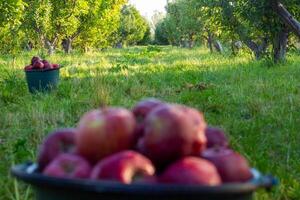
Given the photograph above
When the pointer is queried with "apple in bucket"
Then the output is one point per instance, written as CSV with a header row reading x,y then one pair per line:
x,y
41,75
40,65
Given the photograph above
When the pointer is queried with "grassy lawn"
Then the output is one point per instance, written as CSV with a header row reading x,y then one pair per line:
x,y
258,106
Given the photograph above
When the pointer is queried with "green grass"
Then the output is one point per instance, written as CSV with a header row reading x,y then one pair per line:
x,y
258,106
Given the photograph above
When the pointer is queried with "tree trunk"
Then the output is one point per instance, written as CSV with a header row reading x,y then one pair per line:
x,y
236,46
183,43
119,45
218,46
280,45
191,40
286,17
86,49
191,43
257,49
210,42
50,47
233,48
28,46
67,45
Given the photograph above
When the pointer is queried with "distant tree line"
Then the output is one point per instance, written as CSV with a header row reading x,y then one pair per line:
x,y
68,24
266,27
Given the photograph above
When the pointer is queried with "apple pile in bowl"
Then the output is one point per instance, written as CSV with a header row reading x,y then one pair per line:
x,y
155,143
38,64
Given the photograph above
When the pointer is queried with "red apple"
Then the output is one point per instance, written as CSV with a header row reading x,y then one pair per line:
x,y
38,65
105,132
45,61
143,108
125,167
191,171
231,166
47,65
172,132
140,111
28,68
58,142
215,137
35,59
55,66
68,166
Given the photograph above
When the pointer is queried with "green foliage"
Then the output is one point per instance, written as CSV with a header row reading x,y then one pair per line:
x,y
99,27
134,28
147,39
11,13
252,22
161,36
46,23
255,23
10,21
53,20
182,26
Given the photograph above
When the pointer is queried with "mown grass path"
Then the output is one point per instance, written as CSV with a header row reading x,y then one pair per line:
x,y
258,106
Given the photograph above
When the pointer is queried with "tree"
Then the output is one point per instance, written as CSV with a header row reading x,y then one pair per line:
x,y
147,39
100,26
286,17
161,36
156,18
263,26
133,26
183,24
12,13
255,23
87,23
174,30
53,20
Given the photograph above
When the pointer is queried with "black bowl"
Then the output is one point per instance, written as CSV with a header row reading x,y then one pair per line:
x,y
49,188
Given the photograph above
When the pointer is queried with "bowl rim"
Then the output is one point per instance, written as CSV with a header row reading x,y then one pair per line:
x,y
41,71
27,172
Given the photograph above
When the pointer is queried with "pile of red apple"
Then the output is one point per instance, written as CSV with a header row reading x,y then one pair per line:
x,y
38,64
156,142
